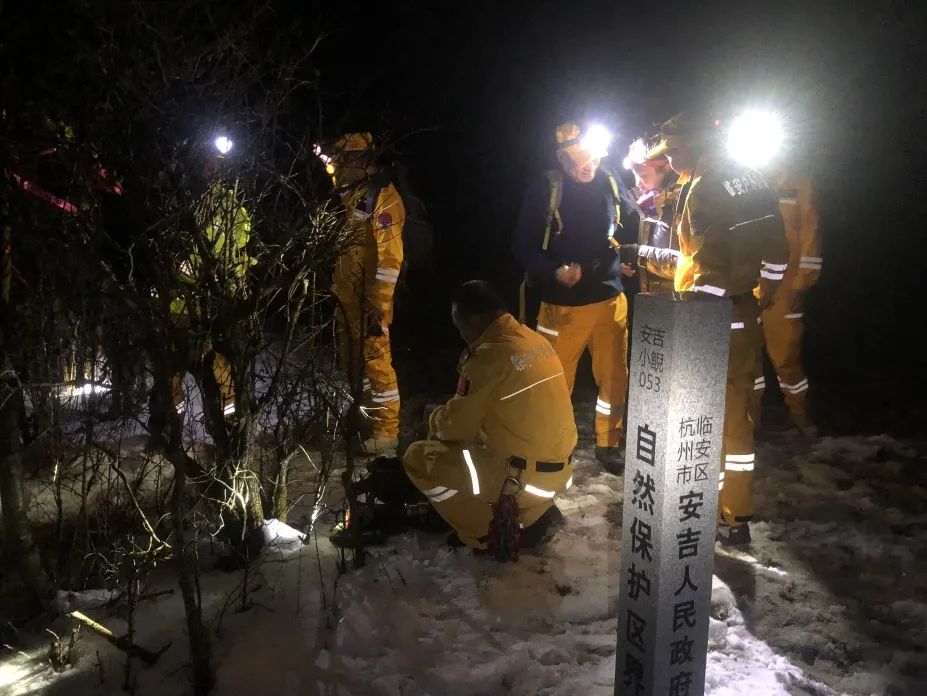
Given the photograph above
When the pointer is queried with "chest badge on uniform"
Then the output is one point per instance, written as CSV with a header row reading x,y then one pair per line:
x,y
384,219
463,386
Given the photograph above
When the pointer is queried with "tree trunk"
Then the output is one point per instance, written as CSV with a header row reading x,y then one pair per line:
x,y
186,563
169,432
279,508
20,547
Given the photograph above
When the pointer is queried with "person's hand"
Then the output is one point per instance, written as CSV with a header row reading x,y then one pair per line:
x,y
628,253
796,301
569,275
627,271
375,321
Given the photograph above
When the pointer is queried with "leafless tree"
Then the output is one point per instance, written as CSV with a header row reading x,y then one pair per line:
x,y
163,252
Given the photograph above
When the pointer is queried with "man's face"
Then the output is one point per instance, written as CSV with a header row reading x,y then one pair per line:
x,y
583,172
648,177
350,166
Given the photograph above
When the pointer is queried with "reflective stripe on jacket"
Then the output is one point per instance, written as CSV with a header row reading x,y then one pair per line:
x,y
369,267
730,232
802,230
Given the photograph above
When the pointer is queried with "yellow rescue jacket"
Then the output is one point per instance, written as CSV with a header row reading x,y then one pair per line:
x,y
802,231
730,232
367,271
512,397
227,227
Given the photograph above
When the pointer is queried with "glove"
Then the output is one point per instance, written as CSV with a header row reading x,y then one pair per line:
x,y
374,322
628,254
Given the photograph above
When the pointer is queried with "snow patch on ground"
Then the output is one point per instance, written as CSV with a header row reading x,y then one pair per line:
x,y
280,538
828,600
79,601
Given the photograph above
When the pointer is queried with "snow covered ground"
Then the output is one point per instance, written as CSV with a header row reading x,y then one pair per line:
x,y
829,599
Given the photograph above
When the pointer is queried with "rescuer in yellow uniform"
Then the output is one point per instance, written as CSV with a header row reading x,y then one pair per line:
x,y
565,241
511,417
783,322
226,225
364,281
657,190
730,236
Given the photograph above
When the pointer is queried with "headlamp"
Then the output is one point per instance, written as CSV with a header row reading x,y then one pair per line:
x,y
223,144
326,160
754,138
637,154
595,140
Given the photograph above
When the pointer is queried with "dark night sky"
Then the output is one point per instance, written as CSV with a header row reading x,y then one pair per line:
x,y
493,79
473,90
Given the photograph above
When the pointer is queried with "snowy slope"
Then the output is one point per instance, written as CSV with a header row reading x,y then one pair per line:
x,y
828,600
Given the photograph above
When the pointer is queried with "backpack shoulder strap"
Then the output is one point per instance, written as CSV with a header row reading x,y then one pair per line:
x,y
555,178
616,195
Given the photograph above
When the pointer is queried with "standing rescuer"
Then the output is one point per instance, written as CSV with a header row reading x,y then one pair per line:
x,y
657,190
226,227
565,241
783,322
730,236
511,418
364,282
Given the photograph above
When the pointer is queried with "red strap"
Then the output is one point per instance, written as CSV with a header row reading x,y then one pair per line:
x,y
39,192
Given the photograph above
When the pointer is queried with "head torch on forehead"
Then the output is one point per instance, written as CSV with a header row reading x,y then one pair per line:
x,y
591,143
659,145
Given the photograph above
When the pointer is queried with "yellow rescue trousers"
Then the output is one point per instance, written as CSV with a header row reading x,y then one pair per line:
x,y
195,356
602,327
221,371
735,500
464,482
783,330
371,359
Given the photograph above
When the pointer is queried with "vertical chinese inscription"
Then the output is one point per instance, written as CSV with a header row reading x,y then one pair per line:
x,y
643,504
675,422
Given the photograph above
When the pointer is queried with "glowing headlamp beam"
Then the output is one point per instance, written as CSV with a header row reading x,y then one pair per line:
x,y
755,138
223,144
596,140
637,154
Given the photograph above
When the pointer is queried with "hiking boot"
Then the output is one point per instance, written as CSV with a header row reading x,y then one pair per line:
x,y
374,524
805,428
454,542
379,446
734,534
611,459
543,529
345,538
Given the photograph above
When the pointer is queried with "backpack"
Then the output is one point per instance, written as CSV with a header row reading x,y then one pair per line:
x,y
417,232
555,179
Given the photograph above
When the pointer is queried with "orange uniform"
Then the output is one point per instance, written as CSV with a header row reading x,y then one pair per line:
x,y
511,416
731,235
783,322
364,282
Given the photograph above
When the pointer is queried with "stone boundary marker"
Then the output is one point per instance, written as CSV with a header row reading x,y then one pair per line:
x,y
678,376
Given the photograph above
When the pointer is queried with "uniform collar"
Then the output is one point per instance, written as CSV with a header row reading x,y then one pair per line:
x,y
494,330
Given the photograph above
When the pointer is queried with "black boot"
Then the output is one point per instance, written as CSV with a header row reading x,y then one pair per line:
x,y
734,534
543,530
611,459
